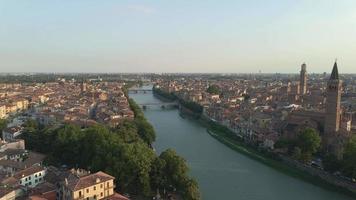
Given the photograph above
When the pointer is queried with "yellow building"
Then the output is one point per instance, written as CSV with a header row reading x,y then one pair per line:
x,y
11,108
22,104
89,187
2,111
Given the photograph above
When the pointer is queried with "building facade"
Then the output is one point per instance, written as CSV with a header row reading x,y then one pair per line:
x,y
89,187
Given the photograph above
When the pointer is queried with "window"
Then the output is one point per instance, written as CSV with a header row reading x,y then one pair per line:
x,y
40,174
94,196
29,178
101,194
87,198
94,187
30,183
35,175
25,179
101,185
107,184
80,193
87,190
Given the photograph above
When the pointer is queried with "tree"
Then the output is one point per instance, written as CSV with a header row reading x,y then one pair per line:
x,y
145,131
193,106
165,95
175,169
297,153
349,158
331,163
308,141
124,152
176,173
136,160
285,143
3,124
158,177
191,191
213,89
127,131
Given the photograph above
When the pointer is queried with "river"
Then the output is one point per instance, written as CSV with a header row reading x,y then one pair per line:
x,y
224,174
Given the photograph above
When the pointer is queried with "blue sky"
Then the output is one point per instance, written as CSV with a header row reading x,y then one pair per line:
x,y
177,35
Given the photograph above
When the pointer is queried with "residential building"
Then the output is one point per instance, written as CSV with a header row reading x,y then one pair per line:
x,y
93,186
31,177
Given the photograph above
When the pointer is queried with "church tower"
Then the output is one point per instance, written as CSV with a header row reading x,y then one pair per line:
x,y
333,98
83,87
303,79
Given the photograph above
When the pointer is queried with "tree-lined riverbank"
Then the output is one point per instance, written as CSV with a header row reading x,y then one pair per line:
x,y
220,171
282,164
225,136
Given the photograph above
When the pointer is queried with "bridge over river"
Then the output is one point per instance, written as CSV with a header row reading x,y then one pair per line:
x,y
162,105
138,90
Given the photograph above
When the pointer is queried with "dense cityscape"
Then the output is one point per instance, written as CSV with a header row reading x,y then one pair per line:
x,y
177,100
300,121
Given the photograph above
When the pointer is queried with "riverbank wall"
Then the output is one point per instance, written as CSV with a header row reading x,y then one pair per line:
x,y
329,178
285,164
278,161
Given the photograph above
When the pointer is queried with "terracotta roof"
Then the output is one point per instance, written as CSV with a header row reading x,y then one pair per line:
x,y
44,191
10,181
37,197
55,175
76,183
12,164
34,158
28,171
117,196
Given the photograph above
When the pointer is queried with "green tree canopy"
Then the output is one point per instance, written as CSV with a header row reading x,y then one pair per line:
x,y
3,123
124,152
304,146
349,158
331,163
176,172
213,89
124,155
308,141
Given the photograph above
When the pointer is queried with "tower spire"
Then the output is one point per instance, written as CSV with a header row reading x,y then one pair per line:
x,y
335,72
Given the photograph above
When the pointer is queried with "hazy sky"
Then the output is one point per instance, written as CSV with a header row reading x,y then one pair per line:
x,y
177,35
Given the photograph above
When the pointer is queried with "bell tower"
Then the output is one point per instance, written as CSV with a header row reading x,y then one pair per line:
x,y
333,99
303,79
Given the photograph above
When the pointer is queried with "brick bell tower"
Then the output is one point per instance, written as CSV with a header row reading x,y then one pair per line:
x,y
333,99
303,79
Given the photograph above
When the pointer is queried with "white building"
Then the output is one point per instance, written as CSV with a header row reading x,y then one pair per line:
x,y
32,176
